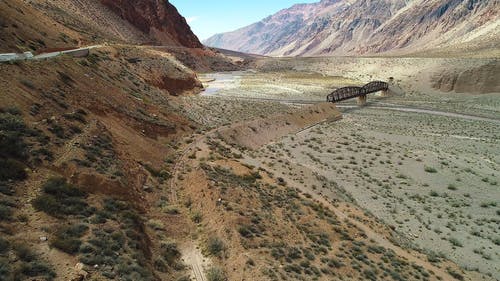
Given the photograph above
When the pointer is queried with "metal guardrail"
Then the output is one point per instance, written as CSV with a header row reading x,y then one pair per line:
x,y
77,53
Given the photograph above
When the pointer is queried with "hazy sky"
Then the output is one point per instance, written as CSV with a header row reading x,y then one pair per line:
x,y
209,17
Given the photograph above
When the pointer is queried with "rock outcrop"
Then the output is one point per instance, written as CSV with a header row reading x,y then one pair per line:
x,y
354,27
478,80
157,18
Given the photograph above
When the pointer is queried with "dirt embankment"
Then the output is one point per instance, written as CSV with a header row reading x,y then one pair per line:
x,y
478,80
256,133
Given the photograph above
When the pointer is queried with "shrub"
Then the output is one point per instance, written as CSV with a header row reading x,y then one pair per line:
x,y
455,274
13,149
4,267
455,242
430,170
4,246
37,268
6,209
6,189
170,253
294,253
197,217
23,252
215,246
66,238
11,169
61,199
216,274
245,231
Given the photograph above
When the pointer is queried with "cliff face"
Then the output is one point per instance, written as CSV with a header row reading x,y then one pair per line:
x,y
353,27
157,18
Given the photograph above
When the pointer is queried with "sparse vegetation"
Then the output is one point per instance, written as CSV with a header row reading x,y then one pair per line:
x,y
60,199
24,264
13,147
430,170
216,274
215,246
67,238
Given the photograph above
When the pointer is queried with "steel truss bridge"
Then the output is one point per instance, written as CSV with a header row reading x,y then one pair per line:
x,y
346,93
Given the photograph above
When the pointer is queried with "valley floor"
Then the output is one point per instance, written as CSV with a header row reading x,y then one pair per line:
x,y
426,165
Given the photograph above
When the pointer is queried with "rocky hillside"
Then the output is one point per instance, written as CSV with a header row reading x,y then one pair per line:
x,y
354,27
68,23
159,19
84,142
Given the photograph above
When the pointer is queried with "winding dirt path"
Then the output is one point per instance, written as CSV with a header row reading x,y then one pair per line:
x,y
191,255
181,161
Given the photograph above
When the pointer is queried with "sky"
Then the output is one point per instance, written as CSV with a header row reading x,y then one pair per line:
x,y
207,18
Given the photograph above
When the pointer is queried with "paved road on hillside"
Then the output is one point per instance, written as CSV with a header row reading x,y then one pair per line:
x,y
9,57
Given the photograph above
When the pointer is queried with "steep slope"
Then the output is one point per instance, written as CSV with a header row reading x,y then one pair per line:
x,y
85,140
83,143
340,27
159,19
145,22
47,25
19,32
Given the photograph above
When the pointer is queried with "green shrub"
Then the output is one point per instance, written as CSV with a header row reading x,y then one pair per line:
x,y
294,253
62,199
67,238
6,189
216,274
434,193
5,269
197,217
13,148
170,253
37,268
215,246
455,274
12,131
11,169
455,242
24,252
293,268
430,170
4,246
6,210
245,231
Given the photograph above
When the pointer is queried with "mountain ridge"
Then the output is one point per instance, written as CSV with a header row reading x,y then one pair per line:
x,y
364,27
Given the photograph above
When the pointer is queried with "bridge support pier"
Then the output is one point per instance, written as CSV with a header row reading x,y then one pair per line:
x,y
384,93
362,100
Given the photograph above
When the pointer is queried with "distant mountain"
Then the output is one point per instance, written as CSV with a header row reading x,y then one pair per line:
x,y
357,27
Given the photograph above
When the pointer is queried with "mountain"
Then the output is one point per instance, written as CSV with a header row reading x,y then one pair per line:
x,y
150,22
159,19
49,25
84,139
362,27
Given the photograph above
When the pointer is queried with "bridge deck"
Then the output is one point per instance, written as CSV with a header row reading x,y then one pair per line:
x,y
346,93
